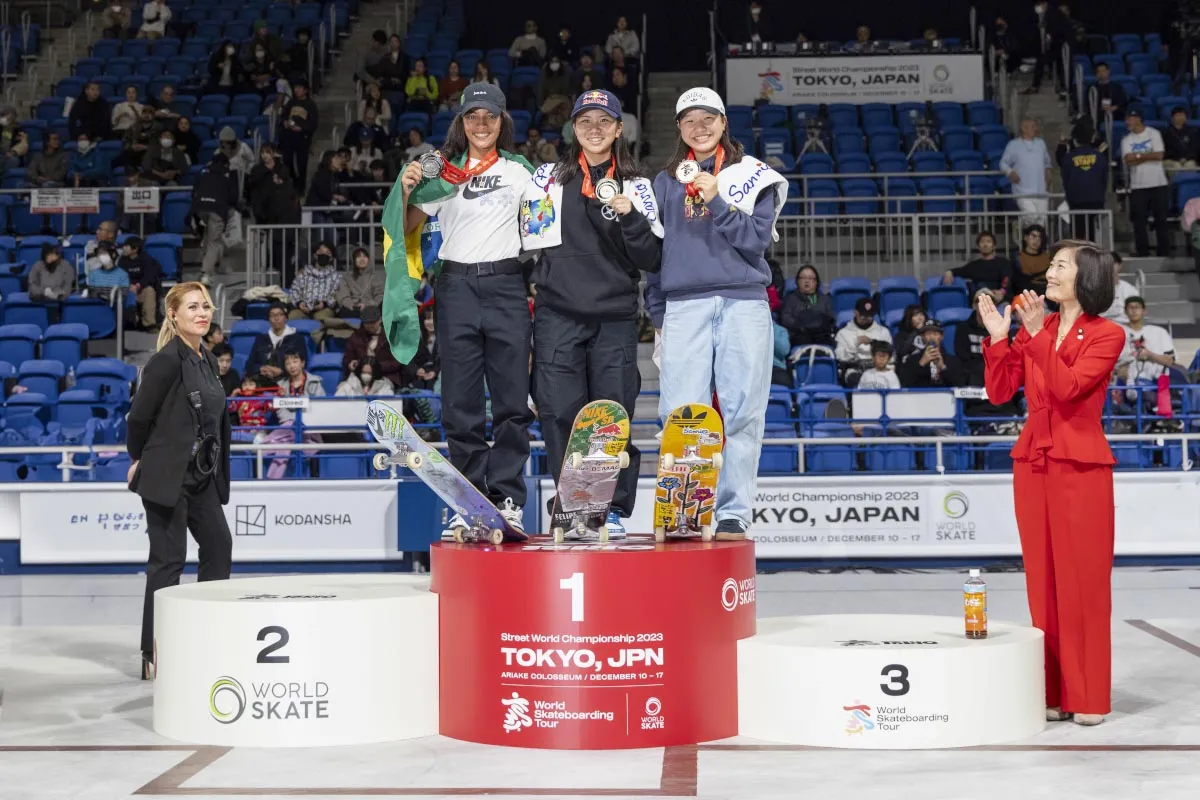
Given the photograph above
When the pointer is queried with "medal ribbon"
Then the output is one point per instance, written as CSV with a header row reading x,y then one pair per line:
x,y
457,175
691,189
588,190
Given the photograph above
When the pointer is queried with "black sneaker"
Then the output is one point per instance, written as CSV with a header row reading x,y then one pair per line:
x,y
730,530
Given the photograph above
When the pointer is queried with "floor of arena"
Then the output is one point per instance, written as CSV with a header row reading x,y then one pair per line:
x,y
76,723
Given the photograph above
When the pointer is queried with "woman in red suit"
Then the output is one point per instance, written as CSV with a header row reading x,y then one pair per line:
x,y
1062,468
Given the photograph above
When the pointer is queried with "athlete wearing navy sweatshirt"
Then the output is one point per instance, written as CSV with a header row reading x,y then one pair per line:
x,y
709,302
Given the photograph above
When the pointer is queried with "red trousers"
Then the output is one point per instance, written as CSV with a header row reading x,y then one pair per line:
x,y
1065,515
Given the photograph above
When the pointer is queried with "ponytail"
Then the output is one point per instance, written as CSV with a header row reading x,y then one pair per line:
x,y
167,332
173,302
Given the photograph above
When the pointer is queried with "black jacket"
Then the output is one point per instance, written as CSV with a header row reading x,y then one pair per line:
x,y
807,315
304,114
914,376
595,272
92,117
144,270
215,191
1180,144
162,428
262,352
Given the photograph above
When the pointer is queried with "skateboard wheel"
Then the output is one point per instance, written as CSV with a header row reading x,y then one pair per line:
x,y
660,534
603,532
497,536
459,535
559,535
415,460
623,459
667,460
718,460
576,460
380,461
706,531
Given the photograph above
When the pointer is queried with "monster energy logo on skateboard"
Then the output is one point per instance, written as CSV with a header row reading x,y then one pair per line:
x,y
386,423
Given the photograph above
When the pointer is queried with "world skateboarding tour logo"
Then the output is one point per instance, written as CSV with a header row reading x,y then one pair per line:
x,y
231,687
771,82
516,714
860,719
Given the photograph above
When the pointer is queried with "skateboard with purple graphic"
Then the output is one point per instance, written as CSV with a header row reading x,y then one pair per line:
x,y
407,449
595,456
689,463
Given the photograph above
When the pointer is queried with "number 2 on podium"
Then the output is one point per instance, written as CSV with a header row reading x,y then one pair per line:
x,y
574,585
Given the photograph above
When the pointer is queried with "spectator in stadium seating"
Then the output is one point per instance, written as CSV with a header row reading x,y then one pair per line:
x,y
368,122
51,280
989,271
1026,161
528,49
226,75
125,113
376,51
14,143
116,19
105,232
214,199
862,36
417,146
1142,151
359,288
263,37
451,88
969,337
145,280
295,59
1053,25
214,336
807,314
374,101
296,382
138,140
564,47
1123,290
908,336
781,374
261,71
587,71
240,155
368,342
374,196
536,150
625,90
554,93
48,168
624,39
266,354
187,140
881,376
366,152
230,380
254,409
1108,97
1008,49
422,372
421,88
618,61
90,115
155,16
932,367
1032,261
852,346
365,383
1181,142
392,70
1149,349
483,74
1083,163
164,164
103,282
300,121
87,167
313,292
326,188
163,113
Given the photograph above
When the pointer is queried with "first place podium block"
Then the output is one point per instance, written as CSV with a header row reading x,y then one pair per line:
x,y
590,647
296,661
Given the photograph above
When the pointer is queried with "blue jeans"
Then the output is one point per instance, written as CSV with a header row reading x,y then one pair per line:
x,y
726,344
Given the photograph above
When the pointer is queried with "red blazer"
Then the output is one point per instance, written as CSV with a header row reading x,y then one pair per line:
x,y
1064,390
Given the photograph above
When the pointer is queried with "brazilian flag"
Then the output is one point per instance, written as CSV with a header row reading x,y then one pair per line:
x,y
403,262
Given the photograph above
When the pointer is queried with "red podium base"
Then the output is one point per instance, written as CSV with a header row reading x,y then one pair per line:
x,y
592,647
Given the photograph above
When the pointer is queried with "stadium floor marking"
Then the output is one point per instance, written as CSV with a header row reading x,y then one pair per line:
x,y
1169,638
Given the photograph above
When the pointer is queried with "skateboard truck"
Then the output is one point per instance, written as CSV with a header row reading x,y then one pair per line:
x,y
581,530
403,457
597,456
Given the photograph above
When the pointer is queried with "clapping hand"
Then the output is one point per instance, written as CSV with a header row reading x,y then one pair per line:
x,y
1031,310
997,324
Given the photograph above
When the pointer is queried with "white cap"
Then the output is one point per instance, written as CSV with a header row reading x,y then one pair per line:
x,y
700,97
974,573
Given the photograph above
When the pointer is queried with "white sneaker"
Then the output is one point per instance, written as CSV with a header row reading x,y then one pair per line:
x,y
512,514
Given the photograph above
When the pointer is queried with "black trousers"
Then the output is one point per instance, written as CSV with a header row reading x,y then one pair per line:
x,y
294,147
483,330
200,512
578,361
1086,226
1143,203
1053,59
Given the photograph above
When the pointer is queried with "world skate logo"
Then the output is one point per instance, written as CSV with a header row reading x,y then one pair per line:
x,y
860,719
516,714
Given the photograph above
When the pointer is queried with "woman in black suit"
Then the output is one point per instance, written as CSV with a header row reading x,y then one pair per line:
x,y
179,432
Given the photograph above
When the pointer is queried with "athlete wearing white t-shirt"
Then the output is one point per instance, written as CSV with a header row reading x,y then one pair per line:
x,y
481,306
1142,151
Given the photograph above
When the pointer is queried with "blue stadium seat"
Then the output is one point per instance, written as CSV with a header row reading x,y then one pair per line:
x,y
175,209
966,161
845,292
740,116
948,113
775,142
877,115
773,116
99,317
21,410
929,162
827,191
854,163
18,309
957,137
944,196
244,332
896,292
842,115
829,458
65,343
939,298
820,370
952,315
891,458
816,164
42,377
308,327
329,367
848,139
992,137
982,112
861,197
18,342
165,249
884,140
894,188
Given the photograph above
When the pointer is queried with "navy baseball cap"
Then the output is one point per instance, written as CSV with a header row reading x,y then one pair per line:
x,y
483,95
599,99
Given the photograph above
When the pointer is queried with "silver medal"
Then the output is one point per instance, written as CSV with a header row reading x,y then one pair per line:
x,y
607,190
431,163
687,171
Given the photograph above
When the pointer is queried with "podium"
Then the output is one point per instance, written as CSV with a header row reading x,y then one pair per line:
x,y
587,646
296,661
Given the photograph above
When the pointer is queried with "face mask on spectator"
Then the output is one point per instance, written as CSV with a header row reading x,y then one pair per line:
x,y
84,146
106,260
555,66
230,50
260,53
166,142
324,259
6,120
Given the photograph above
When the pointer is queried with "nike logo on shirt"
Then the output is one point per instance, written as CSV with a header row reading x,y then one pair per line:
x,y
481,185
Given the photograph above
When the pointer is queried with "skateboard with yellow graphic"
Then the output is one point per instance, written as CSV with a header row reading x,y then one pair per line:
x,y
689,462
595,456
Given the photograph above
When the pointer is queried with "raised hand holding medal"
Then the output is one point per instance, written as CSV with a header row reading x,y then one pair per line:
x,y
432,164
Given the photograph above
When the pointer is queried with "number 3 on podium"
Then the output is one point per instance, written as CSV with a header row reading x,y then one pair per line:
x,y
574,585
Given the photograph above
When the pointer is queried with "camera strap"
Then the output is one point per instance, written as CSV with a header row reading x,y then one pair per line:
x,y
206,446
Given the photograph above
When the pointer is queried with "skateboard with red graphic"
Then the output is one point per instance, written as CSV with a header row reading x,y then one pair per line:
x,y
595,456
689,462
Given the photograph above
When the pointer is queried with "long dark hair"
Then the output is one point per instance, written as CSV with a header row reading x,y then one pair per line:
x,y
733,151
456,137
626,164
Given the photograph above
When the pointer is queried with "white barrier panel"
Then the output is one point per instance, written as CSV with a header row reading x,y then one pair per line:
x,y
959,516
269,520
297,661
956,77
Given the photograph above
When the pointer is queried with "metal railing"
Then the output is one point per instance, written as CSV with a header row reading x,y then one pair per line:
x,y
275,252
